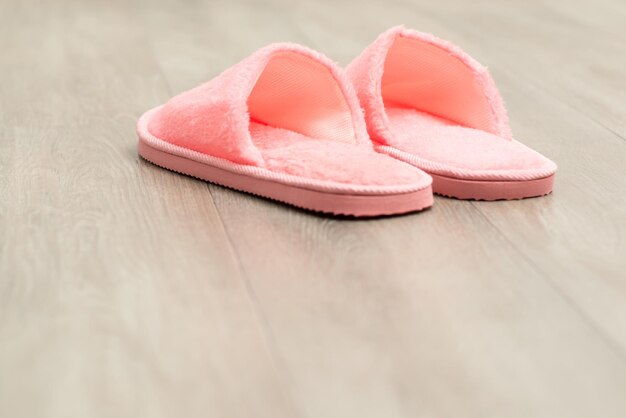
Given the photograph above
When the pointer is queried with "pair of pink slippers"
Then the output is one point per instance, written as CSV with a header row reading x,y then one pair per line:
x,y
410,116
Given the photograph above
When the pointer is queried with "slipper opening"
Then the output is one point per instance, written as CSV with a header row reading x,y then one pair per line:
x,y
427,78
297,93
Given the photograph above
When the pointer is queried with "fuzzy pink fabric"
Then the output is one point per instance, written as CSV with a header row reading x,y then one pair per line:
x,y
448,149
286,85
407,68
428,99
289,152
285,108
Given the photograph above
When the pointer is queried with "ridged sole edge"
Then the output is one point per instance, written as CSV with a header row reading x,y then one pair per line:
x,y
362,205
491,190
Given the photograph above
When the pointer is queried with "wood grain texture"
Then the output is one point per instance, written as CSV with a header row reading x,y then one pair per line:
x,y
127,290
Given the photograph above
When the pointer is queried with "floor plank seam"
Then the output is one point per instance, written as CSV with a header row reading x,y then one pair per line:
x,y
277,357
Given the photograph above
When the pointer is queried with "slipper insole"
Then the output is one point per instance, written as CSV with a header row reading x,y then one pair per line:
x,y
449,144
325,159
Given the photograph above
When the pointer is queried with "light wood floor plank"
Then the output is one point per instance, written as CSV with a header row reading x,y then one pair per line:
x,y
127,290
120,295
418,316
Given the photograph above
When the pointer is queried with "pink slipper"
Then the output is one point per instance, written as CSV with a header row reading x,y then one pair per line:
x,y
284,124
431,105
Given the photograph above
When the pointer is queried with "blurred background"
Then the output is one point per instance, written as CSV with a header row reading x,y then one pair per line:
x,y
130,291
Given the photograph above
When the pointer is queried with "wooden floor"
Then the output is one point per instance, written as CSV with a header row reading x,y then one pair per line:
x,y
130,291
